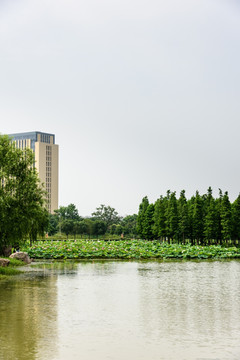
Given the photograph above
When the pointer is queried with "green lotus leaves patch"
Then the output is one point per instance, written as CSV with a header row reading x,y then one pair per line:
x,y
134,249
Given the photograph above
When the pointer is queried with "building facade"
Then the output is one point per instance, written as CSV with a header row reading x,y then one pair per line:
x,y
46,161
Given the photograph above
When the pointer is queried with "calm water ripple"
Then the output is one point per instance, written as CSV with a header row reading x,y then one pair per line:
x,y
122,310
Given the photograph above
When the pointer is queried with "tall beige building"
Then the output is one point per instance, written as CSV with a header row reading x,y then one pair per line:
x,y
46,160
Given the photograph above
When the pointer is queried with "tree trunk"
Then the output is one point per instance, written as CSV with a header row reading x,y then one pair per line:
x,y
7,250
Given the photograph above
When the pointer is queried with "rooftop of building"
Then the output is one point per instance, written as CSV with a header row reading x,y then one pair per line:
x,y
33,135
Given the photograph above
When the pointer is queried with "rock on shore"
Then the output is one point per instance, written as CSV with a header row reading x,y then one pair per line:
x,y
20,255
4,262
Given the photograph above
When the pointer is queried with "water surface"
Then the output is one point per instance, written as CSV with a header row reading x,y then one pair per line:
x,y
122,310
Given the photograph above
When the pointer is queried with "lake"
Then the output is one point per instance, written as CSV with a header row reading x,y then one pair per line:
x,y
100,310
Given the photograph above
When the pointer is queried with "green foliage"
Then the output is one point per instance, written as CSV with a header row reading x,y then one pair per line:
x,y
8,271
69,212
100,227
21,194
210,220
40,226
141,216
236,218
226,217
82,227
116,229
15,262
67,226
147,224
159,218
129,225
107,214
52,224
134,249
183,218
88,227
199,220
67,221
172,217
197,217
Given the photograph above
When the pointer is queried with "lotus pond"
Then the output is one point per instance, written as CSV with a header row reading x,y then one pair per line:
x,y
134,249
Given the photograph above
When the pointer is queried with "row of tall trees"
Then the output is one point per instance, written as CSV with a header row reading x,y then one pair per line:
x,y
201,219
104,220
22,198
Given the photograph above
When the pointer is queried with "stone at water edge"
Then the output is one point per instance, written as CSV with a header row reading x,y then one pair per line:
x,y
20,255
4,262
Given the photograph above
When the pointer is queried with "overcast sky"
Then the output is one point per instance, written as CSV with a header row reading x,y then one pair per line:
x,y
142,95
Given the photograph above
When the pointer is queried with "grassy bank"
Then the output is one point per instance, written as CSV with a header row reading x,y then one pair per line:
x,y
134,249
10,269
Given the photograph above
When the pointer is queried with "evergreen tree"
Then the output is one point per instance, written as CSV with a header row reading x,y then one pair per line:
x,y
202,219
148,222
218,207
210,221
197,218
141,213
162,231
209,216
207,198
172,217
183,219
236,219
226,217
155,227
190,204
159,226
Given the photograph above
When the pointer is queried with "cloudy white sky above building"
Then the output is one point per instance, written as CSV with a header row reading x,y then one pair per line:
x,y
143,96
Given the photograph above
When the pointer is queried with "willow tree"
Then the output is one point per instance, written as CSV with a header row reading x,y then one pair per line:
x,y
22,197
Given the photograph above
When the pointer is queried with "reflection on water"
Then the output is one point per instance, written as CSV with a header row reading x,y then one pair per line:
x,y
28,317
123,310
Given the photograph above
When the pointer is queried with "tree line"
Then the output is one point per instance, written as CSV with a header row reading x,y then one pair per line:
x,y
202,219
105,220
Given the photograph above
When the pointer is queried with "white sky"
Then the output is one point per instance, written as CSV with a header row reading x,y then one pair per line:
x,y
143,96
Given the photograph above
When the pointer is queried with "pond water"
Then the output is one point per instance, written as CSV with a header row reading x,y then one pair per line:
x,y
122,310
